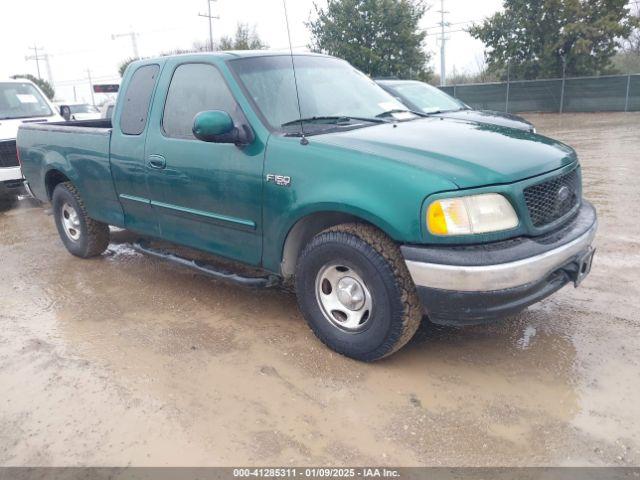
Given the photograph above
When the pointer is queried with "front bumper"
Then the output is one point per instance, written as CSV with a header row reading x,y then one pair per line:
x,y
475,283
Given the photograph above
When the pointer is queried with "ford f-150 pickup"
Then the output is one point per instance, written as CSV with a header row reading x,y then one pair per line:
x,y
376,214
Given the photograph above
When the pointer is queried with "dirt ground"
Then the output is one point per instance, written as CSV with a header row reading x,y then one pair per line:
x,y
126,360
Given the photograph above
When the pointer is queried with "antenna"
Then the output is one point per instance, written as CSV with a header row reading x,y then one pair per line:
x,y
303,140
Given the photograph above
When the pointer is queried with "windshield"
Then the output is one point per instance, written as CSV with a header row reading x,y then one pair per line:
x,y
84,108
22,100
426,98
328,87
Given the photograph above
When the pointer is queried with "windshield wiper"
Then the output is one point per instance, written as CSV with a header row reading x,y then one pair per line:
x,y
436,112
334,119
389,113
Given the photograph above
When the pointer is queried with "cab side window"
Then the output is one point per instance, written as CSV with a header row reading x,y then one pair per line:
x,y
135,111
195,87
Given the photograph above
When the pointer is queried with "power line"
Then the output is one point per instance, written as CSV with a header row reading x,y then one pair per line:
x,y
35,57
76,81
447,32
134,41
450,24
38,54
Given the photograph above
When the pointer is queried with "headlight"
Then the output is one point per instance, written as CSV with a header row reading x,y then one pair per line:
x,y
489,212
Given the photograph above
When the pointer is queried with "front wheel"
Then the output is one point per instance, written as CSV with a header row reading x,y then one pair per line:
x,y
83,236
355,292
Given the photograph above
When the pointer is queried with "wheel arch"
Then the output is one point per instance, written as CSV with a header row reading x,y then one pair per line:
x,y
305,227
52,179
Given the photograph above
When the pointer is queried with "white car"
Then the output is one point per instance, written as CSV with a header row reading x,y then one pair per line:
x,y
21,101
106,111
79,111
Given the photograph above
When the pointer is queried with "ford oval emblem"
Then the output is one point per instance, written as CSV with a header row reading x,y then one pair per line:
x,y
563,194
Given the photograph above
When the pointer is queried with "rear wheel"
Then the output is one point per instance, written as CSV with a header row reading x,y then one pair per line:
x,y
355,292
83,236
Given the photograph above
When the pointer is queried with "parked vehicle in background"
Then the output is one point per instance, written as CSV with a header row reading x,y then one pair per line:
x,y
21,101
106,110
79,111
422,97
376,214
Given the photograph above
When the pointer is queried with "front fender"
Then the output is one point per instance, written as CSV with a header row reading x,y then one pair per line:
x,y
324,178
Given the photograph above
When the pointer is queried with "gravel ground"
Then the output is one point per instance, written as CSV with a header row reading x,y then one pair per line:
x,y
126,360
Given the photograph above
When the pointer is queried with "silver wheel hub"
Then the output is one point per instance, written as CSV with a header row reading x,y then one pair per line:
x,y
350,293
343,297
70,222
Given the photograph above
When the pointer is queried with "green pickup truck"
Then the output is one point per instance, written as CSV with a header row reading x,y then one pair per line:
x,y
316,176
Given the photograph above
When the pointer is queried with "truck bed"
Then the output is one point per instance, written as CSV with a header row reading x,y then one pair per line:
x,y
75,125
78,150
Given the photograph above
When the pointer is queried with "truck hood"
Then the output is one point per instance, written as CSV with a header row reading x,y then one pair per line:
x,y
469,154
489,116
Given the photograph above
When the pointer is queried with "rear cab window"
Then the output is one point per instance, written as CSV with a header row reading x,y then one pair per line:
x,y
137,100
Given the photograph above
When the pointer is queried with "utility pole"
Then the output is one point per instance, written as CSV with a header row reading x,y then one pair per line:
x,y
93,100
48,65
210,17
38,54
134,41
443,39
35,57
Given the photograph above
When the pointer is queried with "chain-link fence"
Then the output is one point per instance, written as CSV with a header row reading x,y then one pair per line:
x,y
611,93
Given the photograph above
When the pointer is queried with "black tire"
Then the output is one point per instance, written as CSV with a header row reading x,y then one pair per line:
x,y
395,312
92,236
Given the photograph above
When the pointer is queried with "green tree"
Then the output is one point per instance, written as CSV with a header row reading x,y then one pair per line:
x,y
45,86
124,64
535,37
627,60
380,37
245,38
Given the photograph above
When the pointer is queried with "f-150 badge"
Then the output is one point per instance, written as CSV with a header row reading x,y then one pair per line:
x,y
280,180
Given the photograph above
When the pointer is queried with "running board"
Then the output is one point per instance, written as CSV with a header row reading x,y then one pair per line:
x,y
219,273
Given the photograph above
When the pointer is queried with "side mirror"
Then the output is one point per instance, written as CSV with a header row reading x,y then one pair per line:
x,y
217,126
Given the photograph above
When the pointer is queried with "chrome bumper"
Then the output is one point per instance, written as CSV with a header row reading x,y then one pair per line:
x,y
28,189
500,276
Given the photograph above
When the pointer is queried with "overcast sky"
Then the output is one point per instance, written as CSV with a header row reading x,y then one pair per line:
x,y
77,33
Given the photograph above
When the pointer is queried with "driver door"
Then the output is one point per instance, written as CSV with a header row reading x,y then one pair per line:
x,y
207,195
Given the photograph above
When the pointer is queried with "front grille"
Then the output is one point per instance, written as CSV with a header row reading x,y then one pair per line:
x,y
553,199
8,154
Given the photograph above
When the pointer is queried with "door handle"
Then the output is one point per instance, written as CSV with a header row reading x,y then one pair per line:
x,y
156,161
